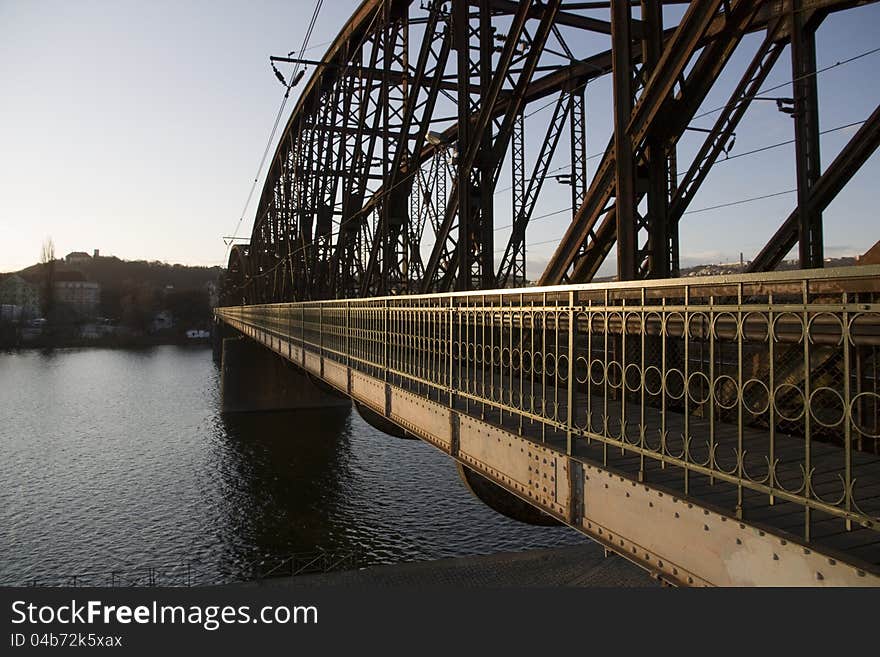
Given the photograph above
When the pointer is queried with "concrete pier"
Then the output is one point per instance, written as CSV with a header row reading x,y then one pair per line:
x,y
255,379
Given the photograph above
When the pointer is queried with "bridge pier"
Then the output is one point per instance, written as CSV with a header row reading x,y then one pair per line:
x,y
219,332
381,423
502,501
255,379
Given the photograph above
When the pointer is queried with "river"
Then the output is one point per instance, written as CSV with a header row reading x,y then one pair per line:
x,y
119,461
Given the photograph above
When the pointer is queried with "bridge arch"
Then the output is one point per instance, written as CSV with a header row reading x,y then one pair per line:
x,y
386,177
237,286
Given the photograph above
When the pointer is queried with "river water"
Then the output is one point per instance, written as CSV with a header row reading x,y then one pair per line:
x,y
120,461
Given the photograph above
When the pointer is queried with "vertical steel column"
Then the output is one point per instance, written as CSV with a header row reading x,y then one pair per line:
x,y
578,135
806,133
661,231
461,36
485,164
518,167
383,232
621,57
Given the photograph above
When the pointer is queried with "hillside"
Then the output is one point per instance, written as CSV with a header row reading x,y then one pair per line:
x,y
111,272
132,292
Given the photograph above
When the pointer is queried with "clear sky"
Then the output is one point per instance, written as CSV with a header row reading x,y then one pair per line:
x,y
136,128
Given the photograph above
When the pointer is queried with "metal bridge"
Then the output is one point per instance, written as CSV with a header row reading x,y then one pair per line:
x,y
716,430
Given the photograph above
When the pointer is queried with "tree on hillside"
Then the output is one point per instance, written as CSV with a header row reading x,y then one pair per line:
x,y
47,260
189,308
138,304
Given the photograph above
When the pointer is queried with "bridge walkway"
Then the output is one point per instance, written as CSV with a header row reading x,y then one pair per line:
x,y
773,380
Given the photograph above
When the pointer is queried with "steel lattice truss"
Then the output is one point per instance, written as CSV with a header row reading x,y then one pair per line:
x,y
385,180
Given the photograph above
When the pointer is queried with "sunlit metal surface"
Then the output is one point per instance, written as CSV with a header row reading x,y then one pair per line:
x,y
391,174
756,393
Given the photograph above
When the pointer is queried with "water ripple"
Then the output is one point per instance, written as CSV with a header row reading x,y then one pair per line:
x,y
120,459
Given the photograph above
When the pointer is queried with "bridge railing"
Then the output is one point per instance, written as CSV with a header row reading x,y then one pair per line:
x,y
768,383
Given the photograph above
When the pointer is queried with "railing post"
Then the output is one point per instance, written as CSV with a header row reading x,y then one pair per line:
x,y
808,385
451,381
740,419
385,341
569,422
847,415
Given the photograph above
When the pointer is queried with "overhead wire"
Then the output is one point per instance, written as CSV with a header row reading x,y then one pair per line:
x,y
569,209
278,115
761,92
706,209
721,107
336,234
382,193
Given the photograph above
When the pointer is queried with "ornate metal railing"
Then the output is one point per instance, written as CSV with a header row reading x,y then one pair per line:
x,y
765,383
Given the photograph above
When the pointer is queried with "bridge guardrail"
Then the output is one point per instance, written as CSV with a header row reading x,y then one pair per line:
x,y
768,382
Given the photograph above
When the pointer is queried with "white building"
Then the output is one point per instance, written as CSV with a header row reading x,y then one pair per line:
x,y
72,288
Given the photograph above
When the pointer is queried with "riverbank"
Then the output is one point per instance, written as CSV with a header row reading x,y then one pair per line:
x,y
104,342
578,566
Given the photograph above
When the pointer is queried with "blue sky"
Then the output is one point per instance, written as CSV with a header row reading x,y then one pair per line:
x,y
136,128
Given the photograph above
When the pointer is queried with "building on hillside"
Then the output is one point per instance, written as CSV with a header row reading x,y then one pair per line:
x,y
19,298
72,288
77,257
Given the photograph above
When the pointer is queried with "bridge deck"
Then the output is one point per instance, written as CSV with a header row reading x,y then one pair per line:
x,y
859,542
827,461
773,382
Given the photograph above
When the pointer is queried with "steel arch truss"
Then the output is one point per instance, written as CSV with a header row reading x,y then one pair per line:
x,y
385,179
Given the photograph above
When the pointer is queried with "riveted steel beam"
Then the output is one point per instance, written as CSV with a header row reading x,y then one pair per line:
x,y
858,149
